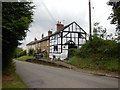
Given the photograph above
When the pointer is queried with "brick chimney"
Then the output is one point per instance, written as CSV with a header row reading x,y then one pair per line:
x,y
59,26
49,33
42,35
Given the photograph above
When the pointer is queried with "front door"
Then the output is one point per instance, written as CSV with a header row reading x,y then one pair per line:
x,y
71,45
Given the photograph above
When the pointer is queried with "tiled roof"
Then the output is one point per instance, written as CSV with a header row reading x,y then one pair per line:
x,y
56,32
44,38
33,42
38,41
47,37
65,28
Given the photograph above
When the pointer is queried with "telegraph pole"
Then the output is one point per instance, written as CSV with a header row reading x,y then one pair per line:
x,y
90,27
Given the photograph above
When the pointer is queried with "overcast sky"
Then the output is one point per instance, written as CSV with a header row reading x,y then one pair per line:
x,y
49,12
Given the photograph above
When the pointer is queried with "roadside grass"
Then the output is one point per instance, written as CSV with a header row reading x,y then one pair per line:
x,y
24,58
46,58
12,81
105,64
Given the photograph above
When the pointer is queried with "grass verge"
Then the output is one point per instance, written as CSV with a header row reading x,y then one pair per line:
x,y
105,64
12,81
24,58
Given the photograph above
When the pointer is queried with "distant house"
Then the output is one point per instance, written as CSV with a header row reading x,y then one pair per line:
x,y
66,37
44,42
40,45
57,44
35,45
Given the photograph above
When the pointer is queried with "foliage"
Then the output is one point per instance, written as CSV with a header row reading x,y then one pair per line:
x,y
106,64
11,69
23,53
100,47
117,34
16,18
72,52
31,52
24,58
46,54
115,16
97,55
19,52
99,31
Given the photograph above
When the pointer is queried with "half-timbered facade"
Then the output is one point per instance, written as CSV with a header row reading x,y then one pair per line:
x,y
66,37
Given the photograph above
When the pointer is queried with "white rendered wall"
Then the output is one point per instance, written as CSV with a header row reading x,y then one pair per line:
x,y
61,56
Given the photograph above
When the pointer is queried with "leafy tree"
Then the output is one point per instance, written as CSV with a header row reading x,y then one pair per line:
x,y
31,52
95,29
16,19
100,47
115,16
19,52
99,31
109,36
117,34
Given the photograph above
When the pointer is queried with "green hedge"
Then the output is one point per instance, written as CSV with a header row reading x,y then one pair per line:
x,y
31,52
98,54
99,47
19,52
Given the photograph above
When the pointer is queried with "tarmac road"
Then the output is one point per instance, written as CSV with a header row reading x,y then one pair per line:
x,y
41,76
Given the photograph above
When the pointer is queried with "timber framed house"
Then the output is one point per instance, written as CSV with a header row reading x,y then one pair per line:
x,y
65,38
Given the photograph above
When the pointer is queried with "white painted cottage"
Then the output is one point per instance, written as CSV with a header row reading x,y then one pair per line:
x,y
66,37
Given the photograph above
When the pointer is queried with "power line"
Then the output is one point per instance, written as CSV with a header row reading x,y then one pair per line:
x,y
48,11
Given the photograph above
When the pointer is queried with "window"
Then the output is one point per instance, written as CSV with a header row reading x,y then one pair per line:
x,y
79,35
55,48
55,37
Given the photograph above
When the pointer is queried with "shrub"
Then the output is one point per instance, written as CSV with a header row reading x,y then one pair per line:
x,y
23,53
46,54
31,52
19,52
72,52
99,46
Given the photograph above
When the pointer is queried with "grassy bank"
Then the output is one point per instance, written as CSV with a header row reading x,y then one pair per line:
x,y
24,58
105,64
97,55
12,81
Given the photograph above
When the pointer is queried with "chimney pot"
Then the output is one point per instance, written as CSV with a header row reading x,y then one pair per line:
x,y
59,26
42,35
35,39
49,33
